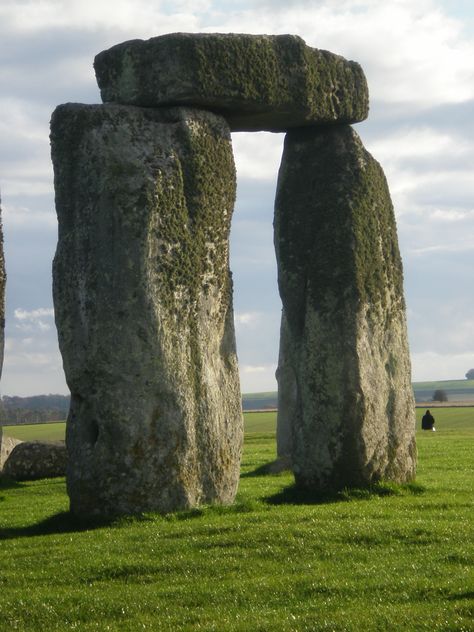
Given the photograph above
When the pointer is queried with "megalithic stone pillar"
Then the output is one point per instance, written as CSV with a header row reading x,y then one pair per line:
x,y
143,304
341,284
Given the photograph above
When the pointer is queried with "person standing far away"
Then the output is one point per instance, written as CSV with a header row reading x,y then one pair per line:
x,y
428,421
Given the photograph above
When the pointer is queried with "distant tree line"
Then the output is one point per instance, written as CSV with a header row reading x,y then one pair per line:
x,y
35,409
470,374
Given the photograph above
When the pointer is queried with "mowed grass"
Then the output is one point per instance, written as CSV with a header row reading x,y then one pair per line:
x,y
254,422
398,558
37,432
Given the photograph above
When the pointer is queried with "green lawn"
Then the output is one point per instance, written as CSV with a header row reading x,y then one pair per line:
x,y
400,558
254,422
37,432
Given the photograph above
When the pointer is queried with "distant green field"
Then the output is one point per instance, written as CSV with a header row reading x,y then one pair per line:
x,y
261,422
254,422
37,432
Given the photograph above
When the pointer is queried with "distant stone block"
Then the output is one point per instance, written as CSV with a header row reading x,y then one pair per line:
x,y
32,460
257,82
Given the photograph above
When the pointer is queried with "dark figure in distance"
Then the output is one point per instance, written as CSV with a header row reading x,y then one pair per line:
x,y
427,423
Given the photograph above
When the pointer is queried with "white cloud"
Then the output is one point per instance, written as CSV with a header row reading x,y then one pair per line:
x,y
418,142
452,215
252,369
257,155
429,365
32,362
34,314
439,248
247,318
22,216
137,18
254,379
34,319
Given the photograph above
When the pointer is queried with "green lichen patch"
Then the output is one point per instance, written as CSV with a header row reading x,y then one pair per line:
x,y
336,238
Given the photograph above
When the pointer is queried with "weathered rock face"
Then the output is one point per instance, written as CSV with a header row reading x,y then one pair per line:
x,y
258,82
32,460
287,393
6,446
340,279
143,304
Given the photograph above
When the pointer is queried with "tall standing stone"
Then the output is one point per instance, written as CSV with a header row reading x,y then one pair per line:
x,y
143,304
341,283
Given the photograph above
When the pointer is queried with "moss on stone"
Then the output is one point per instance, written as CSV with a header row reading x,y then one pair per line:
x,y
255,81
342,223
341,283
143,306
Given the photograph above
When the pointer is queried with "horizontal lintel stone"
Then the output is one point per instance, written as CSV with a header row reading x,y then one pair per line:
x,y
257,82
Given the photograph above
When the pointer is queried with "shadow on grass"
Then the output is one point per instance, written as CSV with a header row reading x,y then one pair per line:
x,y
8,483
63,522
281,465
464,595
293,495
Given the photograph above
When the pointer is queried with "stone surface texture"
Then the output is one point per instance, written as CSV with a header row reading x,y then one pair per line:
x,y
33,460
341,283
287,393
258,82
143,305
6,446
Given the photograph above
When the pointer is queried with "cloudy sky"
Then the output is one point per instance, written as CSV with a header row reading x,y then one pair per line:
x,y
419,61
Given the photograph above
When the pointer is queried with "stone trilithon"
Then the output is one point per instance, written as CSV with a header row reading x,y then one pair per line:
x,y
145,188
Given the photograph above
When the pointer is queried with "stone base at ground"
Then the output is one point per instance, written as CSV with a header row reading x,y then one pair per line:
x,y
341,283
32,460
143,306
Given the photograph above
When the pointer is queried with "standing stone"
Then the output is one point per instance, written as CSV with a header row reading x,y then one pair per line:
x,y
143,304
258,82
341,284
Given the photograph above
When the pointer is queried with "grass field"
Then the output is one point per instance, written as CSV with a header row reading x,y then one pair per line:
x,y
398,558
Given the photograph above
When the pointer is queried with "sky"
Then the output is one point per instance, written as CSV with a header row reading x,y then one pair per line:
x,y
419,61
